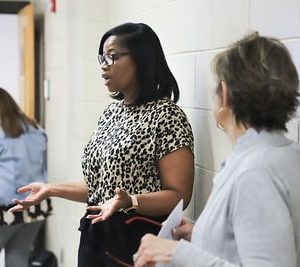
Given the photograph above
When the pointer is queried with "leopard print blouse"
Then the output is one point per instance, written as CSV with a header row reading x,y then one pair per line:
x,y
127,144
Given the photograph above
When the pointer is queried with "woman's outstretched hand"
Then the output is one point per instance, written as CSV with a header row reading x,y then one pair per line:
x,y
37,193
107,209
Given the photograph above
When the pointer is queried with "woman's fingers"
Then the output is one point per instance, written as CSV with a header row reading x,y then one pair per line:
x,y
184,230
108,208
32,187
154,249
36,196
142,256
95,217
96,220
17,208
24,189
94,208
120,193
91,217
27,202
21,205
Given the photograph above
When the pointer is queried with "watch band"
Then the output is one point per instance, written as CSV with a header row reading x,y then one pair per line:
x,y
134,201
134,207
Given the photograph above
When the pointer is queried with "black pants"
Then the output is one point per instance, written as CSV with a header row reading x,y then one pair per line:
x,y
107,243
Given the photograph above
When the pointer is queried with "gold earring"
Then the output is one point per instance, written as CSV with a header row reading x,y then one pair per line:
x,y
220,126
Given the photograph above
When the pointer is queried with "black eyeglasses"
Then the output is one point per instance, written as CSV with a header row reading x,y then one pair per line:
x,y
109,59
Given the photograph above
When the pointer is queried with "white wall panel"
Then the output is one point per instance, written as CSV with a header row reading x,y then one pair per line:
x,y
293,129
181,26
205,81
203,187
124,9
192,32
275,17
10,54
211,144
183,69
294,48
230,20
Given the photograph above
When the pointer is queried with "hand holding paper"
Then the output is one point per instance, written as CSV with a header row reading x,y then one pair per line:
x,y
173,220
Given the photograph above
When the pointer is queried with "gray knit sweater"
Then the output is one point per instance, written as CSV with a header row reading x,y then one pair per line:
x,y
252,217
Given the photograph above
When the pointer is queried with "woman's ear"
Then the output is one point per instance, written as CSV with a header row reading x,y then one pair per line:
x,y
223,113
225,97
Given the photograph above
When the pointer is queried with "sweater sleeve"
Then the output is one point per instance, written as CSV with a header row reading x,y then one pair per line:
x,y
262,221
190,255
262,225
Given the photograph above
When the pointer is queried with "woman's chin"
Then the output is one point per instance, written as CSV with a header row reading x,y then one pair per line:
x,y
111,90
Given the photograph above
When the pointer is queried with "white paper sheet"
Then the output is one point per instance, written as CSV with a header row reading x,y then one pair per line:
x,y
173,220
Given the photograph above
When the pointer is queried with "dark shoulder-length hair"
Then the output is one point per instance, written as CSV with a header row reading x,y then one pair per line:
x,y
12,120
155,80
262,81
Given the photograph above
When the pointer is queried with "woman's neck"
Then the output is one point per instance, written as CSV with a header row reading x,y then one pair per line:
x,y
130,97
234,131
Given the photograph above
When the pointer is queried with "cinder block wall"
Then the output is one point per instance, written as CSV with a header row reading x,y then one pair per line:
x,y
191,32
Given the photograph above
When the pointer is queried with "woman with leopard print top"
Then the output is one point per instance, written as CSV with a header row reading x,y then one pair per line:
x,y
139,161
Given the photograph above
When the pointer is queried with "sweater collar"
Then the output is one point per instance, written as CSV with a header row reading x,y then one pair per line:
x,y
253,138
